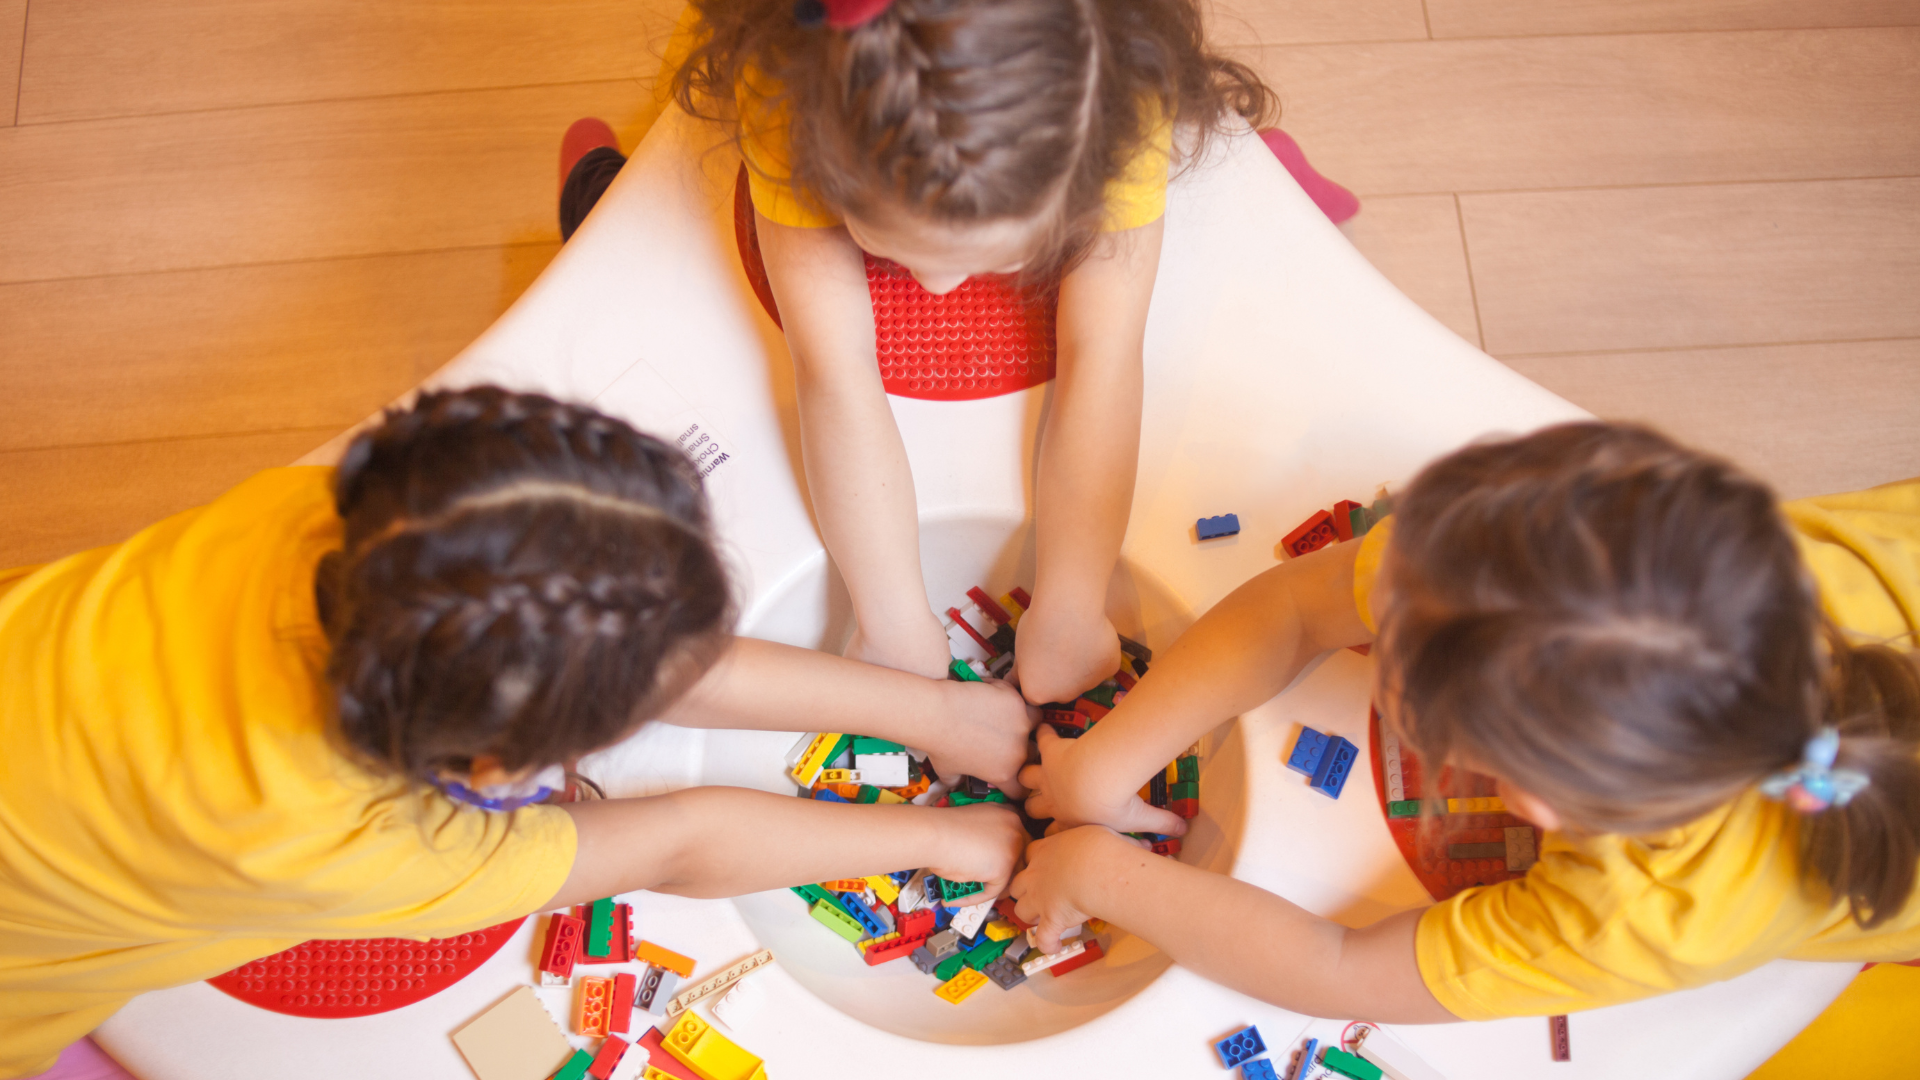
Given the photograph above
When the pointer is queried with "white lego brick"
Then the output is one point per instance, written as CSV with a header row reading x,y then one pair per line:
x,y
968,920
1041,963
1394,1059
1390,765
883,770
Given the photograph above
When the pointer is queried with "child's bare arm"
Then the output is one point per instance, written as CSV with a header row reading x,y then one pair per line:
x,y
1239,654
968,729
1226,930
1089,453
719,841
856,464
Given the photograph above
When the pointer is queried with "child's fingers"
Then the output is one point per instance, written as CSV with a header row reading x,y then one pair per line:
x,y
1032,777
1039,806
1143,816
1046,738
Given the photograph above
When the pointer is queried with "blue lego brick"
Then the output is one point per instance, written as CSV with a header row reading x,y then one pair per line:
x,y
1306,1060
1240,1047
1212,528
1308,749
1258,1069
1335,766
941,917
862,914
823,795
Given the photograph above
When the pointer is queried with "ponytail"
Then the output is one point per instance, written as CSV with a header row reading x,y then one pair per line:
x,y
1868,850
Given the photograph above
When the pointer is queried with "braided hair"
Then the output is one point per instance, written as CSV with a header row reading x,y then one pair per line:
x,y
968,111
520,577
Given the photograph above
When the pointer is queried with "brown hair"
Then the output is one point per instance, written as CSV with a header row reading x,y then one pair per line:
x,y
1623,627
520,577
972,110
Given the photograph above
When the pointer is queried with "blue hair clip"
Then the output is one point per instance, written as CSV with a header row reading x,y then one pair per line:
x,y
1814,784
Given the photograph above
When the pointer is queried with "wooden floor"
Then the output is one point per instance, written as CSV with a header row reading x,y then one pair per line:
x,y
230,227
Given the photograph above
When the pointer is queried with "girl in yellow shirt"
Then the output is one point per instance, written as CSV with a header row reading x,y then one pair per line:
x,y
1707,700
956,138
262,721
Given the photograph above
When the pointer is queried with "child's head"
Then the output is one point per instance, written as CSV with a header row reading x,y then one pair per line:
x,y
522,581
1622,629
1001,118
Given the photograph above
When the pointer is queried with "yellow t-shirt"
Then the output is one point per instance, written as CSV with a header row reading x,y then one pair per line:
x,y
170,806
1609,919
1138,196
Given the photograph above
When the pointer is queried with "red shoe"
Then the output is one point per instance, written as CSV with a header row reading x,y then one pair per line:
x,y
586,134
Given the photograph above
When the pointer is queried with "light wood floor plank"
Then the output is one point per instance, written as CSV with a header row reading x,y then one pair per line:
x,y
1811,419
1725,264
291,182
1533,113
205,352
1415,241
1232,23
98,58
71,499
1505,18
13,28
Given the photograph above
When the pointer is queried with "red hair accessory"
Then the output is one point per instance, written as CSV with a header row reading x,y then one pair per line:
x,y
839,14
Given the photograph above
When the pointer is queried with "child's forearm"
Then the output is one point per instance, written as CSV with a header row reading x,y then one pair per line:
x,y
1083,490
767,686
1260,944
714,842
1241,653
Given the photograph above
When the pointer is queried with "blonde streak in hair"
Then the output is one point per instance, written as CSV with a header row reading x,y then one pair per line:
x,y
525,491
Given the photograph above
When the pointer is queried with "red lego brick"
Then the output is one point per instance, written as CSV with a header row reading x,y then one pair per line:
x,y
1562,1044
565,935
624,985
916,923
893,950
1004,906
1169,847
1186,808
1020,597
954,614
1092,710
1066,718
608,1057
986,603
619,943
1125,679
1091,954
659,1058
1312,535
1343,518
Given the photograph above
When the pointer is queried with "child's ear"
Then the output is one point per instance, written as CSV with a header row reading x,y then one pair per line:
x,y
1530,806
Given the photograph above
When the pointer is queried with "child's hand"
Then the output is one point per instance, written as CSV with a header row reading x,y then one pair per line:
x,y
1056,890
1064,788
920,648
982,733
980,843
1059,655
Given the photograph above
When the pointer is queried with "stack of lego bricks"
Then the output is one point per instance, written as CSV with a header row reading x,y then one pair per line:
x,y
1455,832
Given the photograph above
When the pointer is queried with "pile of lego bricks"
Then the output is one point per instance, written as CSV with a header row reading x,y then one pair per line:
x,y
1345,521
604,1007
1456,836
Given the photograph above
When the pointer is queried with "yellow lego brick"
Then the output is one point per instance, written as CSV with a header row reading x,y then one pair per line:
x,y
886,797
1173,772
1013,609
1476,806
652,1073
852,884
839,776
1001,930
884,888
807,769
711,1055
1146,792
961,986
1094,926
879,942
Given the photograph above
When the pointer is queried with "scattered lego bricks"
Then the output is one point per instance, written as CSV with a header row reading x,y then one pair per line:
x,y
1345,521
1213,528
1466,837
1326,760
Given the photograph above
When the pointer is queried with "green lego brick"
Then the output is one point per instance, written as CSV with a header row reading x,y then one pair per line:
x,y
576,1066
987,952
811,893
838,921
1102,695
842,746
950,966
600,928
956,890
1186,789
1187,770
1404,808
1348,1065
868,794
1361,519
962,672
961,798
864,745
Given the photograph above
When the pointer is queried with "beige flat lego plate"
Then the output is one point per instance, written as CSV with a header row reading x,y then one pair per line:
x,y
515,1040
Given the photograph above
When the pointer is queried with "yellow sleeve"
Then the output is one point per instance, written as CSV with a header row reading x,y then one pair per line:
x,y
1366,568
1863,549
765,127
1611,919
1138,196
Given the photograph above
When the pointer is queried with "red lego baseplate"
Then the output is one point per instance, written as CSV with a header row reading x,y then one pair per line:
x,y
1425,846
337,979
986,338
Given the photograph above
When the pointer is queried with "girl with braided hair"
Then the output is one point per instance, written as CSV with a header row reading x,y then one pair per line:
x,y
958,138
1709,703
266,720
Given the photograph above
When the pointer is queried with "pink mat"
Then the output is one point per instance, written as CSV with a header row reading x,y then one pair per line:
x,y
85,1060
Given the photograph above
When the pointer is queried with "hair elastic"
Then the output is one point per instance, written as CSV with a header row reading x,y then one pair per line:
x,y
1814,784
839,14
